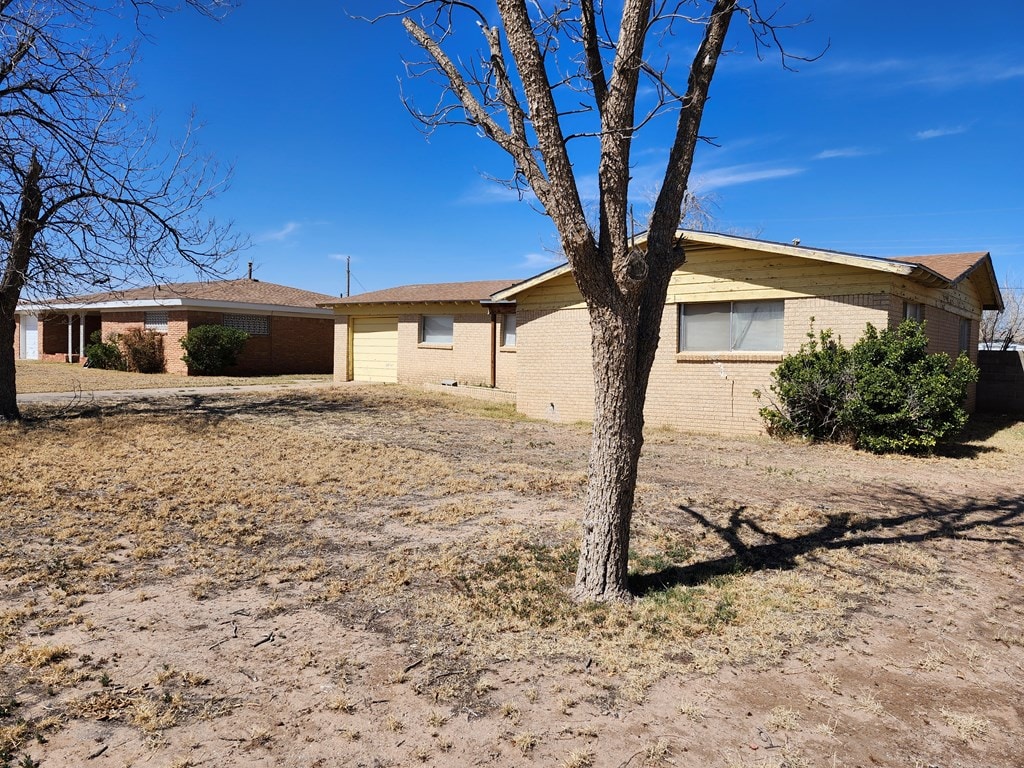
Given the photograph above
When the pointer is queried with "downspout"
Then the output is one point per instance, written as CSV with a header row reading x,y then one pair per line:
x,y
494,347
71,320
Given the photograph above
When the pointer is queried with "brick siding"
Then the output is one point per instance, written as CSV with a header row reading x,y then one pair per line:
x,y
710,392
295,344
466,359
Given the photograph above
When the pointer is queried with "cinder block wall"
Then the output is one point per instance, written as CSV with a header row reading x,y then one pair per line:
x,y
1001,384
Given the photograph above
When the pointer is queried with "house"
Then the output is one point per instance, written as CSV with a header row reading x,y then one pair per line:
x,y
428,335
288,332
734,308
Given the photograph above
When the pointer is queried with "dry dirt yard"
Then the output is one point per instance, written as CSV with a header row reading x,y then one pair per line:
x,y
377,577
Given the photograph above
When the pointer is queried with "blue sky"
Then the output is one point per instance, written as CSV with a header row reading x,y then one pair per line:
x,y
905,138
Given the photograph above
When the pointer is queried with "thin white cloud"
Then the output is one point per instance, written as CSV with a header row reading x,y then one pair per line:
x,y
339,256
734,175
277,235
830,154
935,133
942,73
539,262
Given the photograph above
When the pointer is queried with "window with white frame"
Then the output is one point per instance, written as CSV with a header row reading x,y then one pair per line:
x,y
254,325
508,330
965,334
155,321
436,329
731,326
913,311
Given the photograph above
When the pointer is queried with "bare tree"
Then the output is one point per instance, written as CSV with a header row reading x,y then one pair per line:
x,y
1001,330
551,74
86,196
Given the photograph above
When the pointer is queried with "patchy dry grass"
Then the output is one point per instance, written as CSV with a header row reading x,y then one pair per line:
x,y
448,527
38,376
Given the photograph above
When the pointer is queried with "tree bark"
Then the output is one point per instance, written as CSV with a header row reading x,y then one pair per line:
x,y
13,280
624,340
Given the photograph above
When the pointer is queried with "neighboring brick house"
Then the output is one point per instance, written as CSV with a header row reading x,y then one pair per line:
x,y
437,334
732,311
288,332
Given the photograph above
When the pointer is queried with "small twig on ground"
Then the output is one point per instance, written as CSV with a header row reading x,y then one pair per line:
x,y
414,665
268,639
98,752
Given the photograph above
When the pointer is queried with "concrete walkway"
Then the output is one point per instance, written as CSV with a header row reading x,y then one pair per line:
x,y
142,394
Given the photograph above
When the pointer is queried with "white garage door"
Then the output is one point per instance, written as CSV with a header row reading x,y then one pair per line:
x,y
375,349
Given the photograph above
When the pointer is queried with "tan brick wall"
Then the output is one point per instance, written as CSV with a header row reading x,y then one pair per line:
x,y
846,316
466,359
341,371
696,392
554,375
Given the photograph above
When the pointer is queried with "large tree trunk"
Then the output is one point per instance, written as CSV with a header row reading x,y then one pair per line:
x,y
8,387
624,342
13,280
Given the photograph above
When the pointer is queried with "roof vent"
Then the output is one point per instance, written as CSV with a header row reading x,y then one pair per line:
x,y
796,241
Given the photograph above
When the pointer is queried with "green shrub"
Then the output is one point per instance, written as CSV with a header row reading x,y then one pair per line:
x,y
143,351
812,388
885,394
906,400
104,354
209,349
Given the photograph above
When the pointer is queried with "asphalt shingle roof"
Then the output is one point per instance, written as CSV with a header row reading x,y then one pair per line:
x,y
477,290
951,266
243,290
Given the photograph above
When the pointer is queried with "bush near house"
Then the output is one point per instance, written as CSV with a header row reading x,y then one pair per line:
x,y
209,349
143,351
105,355
885,394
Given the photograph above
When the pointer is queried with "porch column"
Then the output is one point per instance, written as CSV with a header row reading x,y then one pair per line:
x,y
71,319
81,337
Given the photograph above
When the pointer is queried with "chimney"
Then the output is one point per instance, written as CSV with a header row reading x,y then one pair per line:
x,y
250,270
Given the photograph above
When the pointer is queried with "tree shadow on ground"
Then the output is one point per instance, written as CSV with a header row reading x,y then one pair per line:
x,y
214,407
981,427
999,520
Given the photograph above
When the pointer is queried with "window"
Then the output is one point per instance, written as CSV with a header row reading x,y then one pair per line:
x,y
913,311
254,325
965,334
737,326
155,321
508,330
436,329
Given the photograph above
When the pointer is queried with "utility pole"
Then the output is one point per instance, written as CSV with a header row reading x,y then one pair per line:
x,y
348,276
